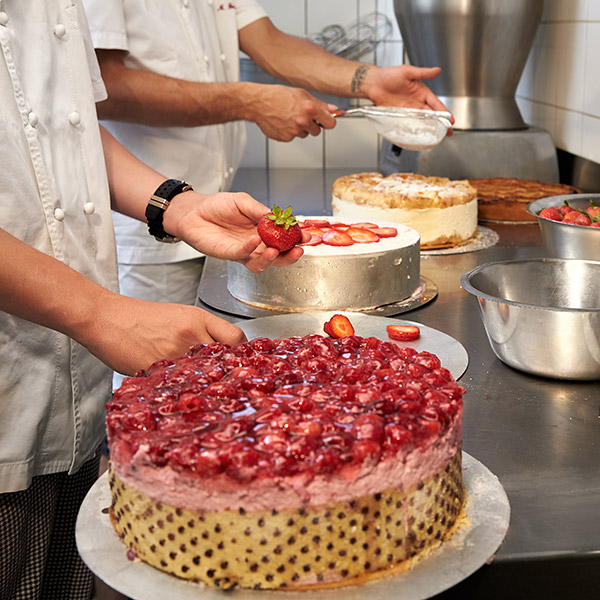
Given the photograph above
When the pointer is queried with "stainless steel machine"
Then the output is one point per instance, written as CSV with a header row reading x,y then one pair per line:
x,y
482,47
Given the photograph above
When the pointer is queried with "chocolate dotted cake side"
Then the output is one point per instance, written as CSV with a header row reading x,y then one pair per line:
x,y
287,464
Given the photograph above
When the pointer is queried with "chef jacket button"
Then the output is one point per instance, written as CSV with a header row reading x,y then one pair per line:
x,y
89,208
209,2
206,59
185,3
223,58
33,119
230,170
3,18
60,30
74,118
59,214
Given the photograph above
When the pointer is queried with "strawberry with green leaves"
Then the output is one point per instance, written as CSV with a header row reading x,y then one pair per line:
x,y
279,229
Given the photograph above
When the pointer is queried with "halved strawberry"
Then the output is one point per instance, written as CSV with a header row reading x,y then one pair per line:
x,y
362,236
337,238
338,326
576,217
385,232
403,333
551,212
279,229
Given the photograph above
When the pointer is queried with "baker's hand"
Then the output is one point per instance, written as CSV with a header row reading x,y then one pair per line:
x,y
284,113
224,226
129,334
403,86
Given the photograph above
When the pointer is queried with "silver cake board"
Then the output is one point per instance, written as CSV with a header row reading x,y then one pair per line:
x,y
449,350
472,546
213,292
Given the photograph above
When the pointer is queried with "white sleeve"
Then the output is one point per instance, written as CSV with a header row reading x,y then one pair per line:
x,y
248,11
106,19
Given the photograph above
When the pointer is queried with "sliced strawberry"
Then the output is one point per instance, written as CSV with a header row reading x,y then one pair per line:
x,y
314,223
362,236
316,236
403,333
340,225
385,232
552,213
338,326
337,238
366,225
595,224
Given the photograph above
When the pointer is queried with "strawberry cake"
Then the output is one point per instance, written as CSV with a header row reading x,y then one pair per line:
x,y
349,265
443,211
301,463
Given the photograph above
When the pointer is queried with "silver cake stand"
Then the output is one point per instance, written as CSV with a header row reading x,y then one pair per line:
x,y
450,351
213,292
473,545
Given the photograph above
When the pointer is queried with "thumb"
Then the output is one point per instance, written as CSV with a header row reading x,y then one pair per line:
x,y
425,72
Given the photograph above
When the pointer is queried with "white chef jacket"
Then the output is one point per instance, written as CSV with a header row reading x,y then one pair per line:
x,y
195,40
54,196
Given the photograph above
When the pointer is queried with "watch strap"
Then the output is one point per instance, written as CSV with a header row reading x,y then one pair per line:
x,y
158,203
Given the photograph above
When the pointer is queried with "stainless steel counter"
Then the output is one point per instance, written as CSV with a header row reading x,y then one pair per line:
x,y
541,437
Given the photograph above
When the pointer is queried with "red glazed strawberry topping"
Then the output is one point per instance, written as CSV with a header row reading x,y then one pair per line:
x,y
300,405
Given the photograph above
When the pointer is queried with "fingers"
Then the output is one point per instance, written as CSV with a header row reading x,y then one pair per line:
x,y
223,331
423,72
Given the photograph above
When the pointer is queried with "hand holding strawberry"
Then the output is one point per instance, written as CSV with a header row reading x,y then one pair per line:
x,y
279,229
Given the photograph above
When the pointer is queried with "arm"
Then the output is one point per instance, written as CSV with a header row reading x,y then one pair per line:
x,y
221,225
300,62
125,333
148,98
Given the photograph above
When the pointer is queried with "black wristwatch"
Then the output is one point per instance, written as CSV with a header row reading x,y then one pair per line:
x,y
158,203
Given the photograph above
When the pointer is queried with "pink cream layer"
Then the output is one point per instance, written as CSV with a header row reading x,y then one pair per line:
x,y
189,491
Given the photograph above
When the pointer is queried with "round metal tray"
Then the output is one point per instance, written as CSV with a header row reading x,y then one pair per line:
x,y
450,351
472,545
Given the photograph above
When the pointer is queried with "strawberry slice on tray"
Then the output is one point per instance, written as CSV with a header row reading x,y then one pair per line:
x,y
403,333
338,326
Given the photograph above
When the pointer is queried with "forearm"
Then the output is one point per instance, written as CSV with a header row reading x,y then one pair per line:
x,y
303,63
41,289
157,100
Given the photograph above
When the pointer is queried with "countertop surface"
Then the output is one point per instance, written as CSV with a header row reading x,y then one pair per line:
x,y
540,437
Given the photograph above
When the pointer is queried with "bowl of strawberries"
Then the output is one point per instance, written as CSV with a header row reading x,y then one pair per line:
x,y
570,225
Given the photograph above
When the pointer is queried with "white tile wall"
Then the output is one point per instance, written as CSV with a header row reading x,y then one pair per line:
x,y
353,143
560,86
559,90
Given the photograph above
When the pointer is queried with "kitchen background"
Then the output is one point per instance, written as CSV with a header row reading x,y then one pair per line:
x,y
559,90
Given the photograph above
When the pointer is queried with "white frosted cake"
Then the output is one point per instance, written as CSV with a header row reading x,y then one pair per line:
x,y
332,277
443,211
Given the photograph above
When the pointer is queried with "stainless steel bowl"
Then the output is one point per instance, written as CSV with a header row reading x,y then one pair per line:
x,y
563,240
542,315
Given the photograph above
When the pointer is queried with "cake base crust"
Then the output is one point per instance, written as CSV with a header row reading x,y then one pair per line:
x,y
339,544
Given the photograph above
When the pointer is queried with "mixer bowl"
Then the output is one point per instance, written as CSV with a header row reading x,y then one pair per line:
x,y
482,48
564,240
541,316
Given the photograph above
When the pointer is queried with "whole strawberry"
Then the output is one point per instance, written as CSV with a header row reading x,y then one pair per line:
x,y
279,229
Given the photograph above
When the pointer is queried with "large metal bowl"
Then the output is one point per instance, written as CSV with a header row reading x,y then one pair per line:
x,y
542,315
564,240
